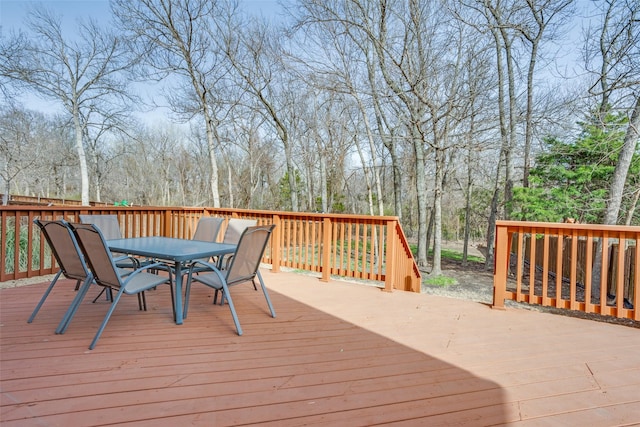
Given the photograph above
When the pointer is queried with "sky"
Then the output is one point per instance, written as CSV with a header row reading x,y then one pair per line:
x,y
14,12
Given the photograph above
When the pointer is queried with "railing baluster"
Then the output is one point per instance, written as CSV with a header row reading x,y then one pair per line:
x,y
573,304
351,245
573,266
559,275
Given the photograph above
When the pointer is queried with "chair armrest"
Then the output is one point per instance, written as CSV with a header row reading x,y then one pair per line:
x,y
206,264
156,265
134,260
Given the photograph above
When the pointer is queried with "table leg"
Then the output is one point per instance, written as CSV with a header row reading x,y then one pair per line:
x,y
178,272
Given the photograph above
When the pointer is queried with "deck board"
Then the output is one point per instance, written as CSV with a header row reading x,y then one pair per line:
x,y
336,354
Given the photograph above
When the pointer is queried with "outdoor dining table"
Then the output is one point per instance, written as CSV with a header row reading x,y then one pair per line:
x,y
178,251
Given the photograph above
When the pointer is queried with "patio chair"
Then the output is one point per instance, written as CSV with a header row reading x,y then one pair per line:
x,y
235,228
105,273
207,229
65,249
110,229
108,225
243,267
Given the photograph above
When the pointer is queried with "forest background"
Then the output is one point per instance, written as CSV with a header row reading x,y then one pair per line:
x,y
447,114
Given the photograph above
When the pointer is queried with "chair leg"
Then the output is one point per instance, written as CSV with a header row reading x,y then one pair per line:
x,y
142,301
98,296
173,300
225,293
187,294
71,311
266,294
44,297
108,294
106,319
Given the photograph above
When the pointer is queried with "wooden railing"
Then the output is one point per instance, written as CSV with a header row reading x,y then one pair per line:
x,y
583,267
15,199
354,246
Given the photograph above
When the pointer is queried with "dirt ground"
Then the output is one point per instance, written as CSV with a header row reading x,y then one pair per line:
x,y
473,282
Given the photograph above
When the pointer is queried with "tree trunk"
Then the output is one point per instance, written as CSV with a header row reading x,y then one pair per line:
x,y
437,241
211,148
615,193
632,210
493,213
84,170
511,142
230,184
374,171
397,178
622,167
367,179
421,190
293,188
324,191
528,133
467,207
5,196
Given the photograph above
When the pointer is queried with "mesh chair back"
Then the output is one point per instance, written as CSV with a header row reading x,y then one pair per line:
x,y
246,259
208,228
235,227
65,248
97,254
108,225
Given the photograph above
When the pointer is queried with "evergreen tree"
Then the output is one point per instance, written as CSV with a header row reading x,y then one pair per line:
x,y
572,179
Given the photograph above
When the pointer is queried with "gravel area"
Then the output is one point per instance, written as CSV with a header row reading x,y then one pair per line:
x,y
470,285
27,281
472,282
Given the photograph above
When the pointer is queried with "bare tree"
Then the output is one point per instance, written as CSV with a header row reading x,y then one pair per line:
x,y
177,38
543,13
250,163
20,145
614,60
498,19
346,61
257,58
79,74
410,44
618,80
101,128
612,53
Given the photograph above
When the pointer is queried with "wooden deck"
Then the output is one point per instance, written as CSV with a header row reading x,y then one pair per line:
x,y
337,354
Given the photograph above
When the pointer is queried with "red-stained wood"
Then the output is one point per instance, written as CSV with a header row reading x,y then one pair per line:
x,y
331,251
336,354
562,267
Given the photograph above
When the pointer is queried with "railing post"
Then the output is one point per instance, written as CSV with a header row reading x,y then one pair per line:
x,y
390,257
167,223
326,250
636,281
275,245
500,269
